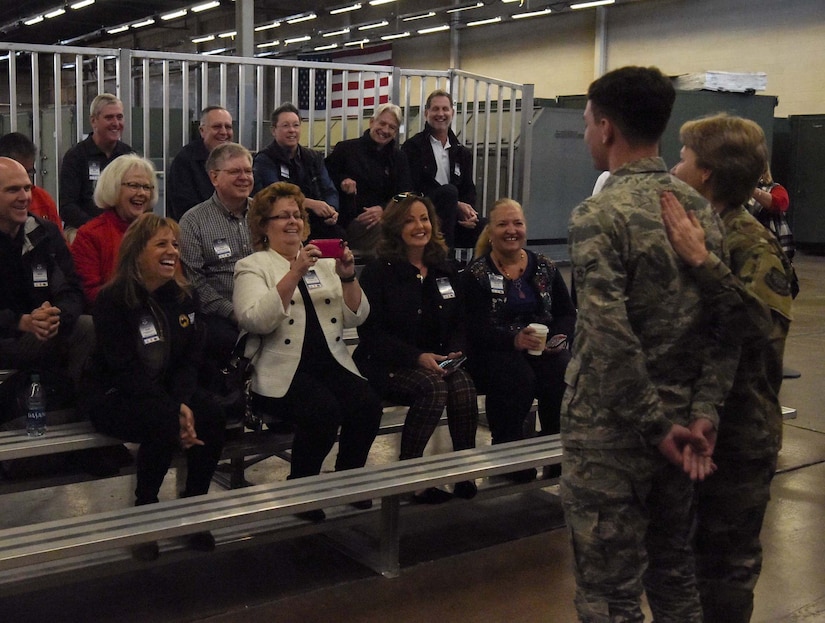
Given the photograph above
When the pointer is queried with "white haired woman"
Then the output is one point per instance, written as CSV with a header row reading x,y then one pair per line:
x,y
126,189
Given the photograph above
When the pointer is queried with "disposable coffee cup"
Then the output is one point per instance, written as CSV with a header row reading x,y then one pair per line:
x,y
541,331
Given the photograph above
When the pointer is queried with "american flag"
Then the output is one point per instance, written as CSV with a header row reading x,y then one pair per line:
x,y
375,55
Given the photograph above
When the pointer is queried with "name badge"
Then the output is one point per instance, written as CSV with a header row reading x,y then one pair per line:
x,y
148,331
312,280
445,288
40,276
221,248
497,284
94,170
457,170
284,171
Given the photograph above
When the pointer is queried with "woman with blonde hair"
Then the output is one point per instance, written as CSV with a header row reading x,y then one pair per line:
x,y
508,288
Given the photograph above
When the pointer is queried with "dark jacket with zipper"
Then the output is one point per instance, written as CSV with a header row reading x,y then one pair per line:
x,y
407,317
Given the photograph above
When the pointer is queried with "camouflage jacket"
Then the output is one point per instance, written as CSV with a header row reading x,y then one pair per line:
x,y
646,352
751,419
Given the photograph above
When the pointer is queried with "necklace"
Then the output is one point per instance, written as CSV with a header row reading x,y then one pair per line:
x,y
504,271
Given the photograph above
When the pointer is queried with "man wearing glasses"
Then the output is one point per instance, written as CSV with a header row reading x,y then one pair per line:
x,y
214,235
285,160
189,182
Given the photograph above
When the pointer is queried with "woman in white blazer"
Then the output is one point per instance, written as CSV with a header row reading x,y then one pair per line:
x,y
300,303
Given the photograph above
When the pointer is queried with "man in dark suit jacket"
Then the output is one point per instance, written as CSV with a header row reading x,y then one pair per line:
x,y
442,169
189,182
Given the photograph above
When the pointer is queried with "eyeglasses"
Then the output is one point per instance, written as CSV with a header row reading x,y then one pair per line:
x,y
285,216
237,172
401,196
134,186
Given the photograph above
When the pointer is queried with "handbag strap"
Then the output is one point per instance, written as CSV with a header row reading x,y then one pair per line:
x,y
240,346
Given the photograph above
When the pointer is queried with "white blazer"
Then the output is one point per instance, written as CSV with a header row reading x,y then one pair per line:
x,y
259,310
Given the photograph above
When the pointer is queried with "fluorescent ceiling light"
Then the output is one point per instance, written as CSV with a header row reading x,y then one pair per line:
x,y
508,1
297,39
410,18
33,20
379,2
345,9
268,44
81,4
380,24
203,39
231,33
146,22
218,51
427,31
117,29
55,13
362,42
477,5
399,35
267,26
588,5
321,48
484,22
301,18
174,15
205,6
335,33
531,14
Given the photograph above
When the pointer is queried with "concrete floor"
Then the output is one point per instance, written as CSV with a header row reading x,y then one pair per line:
x,y
505,560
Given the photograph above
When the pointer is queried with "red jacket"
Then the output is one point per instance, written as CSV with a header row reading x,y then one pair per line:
x,y
44,206
95,251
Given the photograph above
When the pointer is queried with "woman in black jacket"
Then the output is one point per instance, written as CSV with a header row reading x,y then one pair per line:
x,y
142,382
508,288
416,323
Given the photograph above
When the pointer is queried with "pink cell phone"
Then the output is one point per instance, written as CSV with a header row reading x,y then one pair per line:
x,y
329,247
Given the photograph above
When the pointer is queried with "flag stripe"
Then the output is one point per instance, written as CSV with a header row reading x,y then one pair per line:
x,y
356,80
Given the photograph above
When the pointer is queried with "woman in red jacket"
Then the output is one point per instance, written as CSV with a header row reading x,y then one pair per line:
x,y
769,204
126,189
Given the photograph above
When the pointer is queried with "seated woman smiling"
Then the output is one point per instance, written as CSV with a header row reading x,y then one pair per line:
x,y
299,304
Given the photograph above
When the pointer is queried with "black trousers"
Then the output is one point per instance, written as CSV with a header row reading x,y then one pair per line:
x,y
140,420
220,338
317,405
511,380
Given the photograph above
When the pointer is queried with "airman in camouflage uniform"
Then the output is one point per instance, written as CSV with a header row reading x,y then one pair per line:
x,y
731,504
642,367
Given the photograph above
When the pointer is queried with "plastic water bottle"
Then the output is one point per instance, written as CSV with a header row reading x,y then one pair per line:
x,y
36,404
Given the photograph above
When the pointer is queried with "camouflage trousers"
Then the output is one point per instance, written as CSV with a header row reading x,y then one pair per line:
x,y
729,513
628,512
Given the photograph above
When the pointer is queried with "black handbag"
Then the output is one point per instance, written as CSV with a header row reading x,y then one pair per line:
x,y
235,383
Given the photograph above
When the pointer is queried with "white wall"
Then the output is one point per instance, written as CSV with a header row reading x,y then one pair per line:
x,y
784,38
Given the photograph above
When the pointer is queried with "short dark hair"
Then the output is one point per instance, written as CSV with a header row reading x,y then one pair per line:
x,y
208,110
439,93
285,107
15,145
638,100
